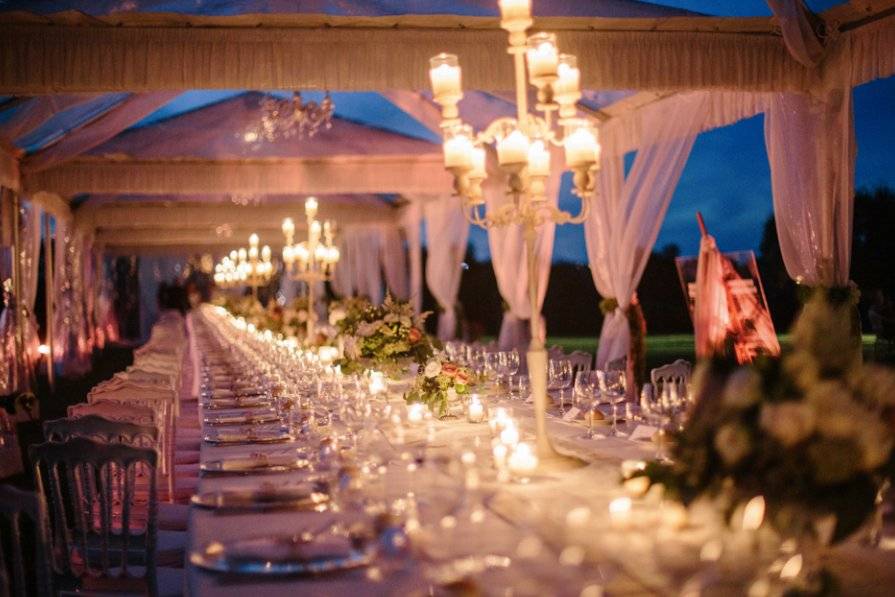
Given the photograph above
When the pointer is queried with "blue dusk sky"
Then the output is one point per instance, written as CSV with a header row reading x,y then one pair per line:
x,y
727,176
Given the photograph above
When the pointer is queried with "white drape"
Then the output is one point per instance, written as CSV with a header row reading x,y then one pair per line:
x,y
509,259
798,33
447,232
30,230
394,263
359,272
410,221
811,150
623,226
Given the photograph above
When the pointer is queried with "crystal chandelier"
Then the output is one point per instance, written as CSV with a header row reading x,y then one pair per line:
x,y
245,267
286,118
522,147
313,260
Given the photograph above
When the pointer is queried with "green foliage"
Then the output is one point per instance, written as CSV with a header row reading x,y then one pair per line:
x,y
810,431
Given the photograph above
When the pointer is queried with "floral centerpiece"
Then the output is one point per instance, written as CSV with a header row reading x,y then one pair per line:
x,y
389,336
439,384
811,432
348,307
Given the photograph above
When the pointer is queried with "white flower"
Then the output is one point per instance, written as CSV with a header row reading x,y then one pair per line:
x,y
742,389
732,443
433,368
451,394
302,316
336,315
787,422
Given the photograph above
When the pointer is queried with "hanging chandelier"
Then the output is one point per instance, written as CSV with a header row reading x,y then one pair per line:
x,y
522,144
252,267
290,117
313,260
522,147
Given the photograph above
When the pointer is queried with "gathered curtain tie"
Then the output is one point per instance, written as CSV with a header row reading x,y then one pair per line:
x,y
608,305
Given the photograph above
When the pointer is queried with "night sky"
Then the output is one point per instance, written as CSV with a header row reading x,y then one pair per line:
x,y
727,175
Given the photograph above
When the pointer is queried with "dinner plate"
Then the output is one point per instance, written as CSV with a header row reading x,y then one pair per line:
x,y
284,555
305,497
242,418
248,466
248,436
241,402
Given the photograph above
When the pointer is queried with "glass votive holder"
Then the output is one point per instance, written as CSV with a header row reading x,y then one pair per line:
x,y
475,409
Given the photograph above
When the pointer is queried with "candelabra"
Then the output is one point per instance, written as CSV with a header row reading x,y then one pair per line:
x,y
522,147
245,267
310,261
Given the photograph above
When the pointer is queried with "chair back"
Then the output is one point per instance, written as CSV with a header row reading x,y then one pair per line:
x,y
115,411
102,526
677,373
581,361
23,521
103,430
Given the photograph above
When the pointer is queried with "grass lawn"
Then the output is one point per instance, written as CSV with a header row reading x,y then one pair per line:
x,y
661,349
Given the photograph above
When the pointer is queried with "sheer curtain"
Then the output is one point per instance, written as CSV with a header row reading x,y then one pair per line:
x,y
447,233
30,230
811,150
509,259
394,262
411,221
628,212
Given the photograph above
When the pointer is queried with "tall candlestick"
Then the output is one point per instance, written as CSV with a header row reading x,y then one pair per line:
x,y
543,57
581,147
445,76
515,9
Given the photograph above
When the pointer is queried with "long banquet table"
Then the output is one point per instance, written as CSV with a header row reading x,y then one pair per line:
x,y
509,507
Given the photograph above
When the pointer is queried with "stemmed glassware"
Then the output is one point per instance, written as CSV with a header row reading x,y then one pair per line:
x,y
508,364
559,378
612,387
584,396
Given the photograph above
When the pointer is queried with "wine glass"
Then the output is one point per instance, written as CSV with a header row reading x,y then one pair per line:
x,y
508,363
583,398
613,389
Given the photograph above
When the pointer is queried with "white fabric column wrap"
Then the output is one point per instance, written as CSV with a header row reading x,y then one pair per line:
x,y
447,233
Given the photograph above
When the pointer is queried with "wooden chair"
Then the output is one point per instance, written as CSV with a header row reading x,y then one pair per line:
x,y
23,519
98,535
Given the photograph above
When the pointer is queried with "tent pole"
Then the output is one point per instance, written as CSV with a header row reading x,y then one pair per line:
x,y
49,298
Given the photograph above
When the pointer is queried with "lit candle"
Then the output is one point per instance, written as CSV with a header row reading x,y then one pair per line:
x,y
620,511
538,159
327,354
543,59
510,435
444,74
499,452
478,163
288,257
513,148
377,383
416,413
288,228
568,82
581,147
458,150
523,461
498,420
253,252
515,9
253,240
475,410
265,253
753,514
311,207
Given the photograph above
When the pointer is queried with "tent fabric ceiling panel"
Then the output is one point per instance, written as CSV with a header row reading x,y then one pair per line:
x,y
218,132
39,59
363,174
363,8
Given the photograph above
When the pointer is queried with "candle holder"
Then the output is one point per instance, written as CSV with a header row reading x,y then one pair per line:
x,y
557,79
475,410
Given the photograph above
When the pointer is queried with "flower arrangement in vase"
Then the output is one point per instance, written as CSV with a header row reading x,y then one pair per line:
x,y
389,337
811,431
439,385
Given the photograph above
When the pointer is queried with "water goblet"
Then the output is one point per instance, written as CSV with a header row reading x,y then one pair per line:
x,y
613,389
